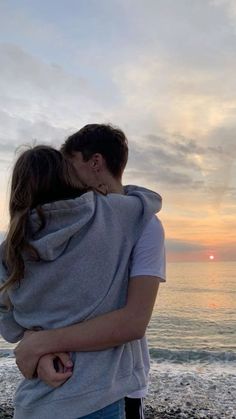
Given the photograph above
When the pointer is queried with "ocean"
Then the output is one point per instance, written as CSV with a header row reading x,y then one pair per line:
x,y
194,318
192,340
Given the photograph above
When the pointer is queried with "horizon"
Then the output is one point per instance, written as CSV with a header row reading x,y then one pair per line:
x,y
170,258
165,74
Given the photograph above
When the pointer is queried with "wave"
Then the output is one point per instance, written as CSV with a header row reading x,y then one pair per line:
x,y
174,356
186,356
6,353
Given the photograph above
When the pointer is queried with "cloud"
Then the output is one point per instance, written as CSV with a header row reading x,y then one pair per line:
x,y
228,6
179,77
16,131
162,164
176,161
159,176
33,88
40,101
222,160
180,250
183,246
2,235
164,95
24,24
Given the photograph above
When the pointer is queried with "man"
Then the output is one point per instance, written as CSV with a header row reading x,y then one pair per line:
x,y
99,155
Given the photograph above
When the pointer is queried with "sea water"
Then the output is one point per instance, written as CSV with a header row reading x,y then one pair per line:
x,y
194,318
192,340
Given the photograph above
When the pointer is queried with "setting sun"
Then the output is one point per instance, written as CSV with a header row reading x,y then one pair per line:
x,y
211,257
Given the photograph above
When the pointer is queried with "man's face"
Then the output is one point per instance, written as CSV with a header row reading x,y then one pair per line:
x,y
84,170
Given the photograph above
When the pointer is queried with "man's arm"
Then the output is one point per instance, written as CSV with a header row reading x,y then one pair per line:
x,y
105,331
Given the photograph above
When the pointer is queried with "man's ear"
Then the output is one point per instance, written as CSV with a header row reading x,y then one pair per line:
x,y
96,162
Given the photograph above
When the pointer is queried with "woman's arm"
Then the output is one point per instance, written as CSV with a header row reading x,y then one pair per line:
x,y
105,331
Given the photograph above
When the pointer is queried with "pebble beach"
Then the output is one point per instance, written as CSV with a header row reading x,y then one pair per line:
x,y
176,391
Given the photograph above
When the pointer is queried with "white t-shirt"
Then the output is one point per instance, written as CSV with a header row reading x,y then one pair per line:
x,y
148,258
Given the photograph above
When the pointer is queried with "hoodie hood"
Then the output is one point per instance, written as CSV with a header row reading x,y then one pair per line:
x,y
63,220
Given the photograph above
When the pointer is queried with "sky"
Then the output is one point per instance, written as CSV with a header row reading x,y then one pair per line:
x,y
161,70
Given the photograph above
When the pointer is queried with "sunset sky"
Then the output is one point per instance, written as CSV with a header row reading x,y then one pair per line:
x,y
162,70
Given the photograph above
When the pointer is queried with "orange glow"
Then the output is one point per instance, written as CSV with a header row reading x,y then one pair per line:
x,y
211,257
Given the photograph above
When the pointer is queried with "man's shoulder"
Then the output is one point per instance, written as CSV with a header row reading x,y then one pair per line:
x,y
153,230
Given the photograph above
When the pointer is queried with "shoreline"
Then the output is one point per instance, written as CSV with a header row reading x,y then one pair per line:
x,y
177,391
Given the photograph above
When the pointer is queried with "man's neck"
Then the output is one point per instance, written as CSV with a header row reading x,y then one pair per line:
x,y
115,186
112,184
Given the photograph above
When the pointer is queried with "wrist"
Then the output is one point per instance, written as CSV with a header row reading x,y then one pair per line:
x,y
40,342
49,341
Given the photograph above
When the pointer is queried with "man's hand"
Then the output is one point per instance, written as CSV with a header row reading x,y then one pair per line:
x,y
55,369
26,354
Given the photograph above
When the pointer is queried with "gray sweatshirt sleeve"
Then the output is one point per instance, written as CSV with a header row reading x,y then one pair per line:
x,y
10,330
136,208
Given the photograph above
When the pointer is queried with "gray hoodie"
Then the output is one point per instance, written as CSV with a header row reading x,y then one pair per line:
x,y
83,272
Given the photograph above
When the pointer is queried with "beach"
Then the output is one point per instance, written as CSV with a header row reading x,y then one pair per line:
x,y
176,391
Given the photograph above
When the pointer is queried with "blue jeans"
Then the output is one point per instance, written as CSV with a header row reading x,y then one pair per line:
x,y
113,411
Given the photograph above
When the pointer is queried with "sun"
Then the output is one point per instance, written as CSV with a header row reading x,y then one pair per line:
x,y
211,257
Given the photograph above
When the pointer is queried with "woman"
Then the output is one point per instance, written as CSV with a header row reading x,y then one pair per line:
x,y
67,261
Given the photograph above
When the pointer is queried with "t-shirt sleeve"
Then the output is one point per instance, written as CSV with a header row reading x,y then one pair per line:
x,y
148,256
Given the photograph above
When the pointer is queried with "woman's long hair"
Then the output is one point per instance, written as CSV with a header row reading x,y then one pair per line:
x,y
40,175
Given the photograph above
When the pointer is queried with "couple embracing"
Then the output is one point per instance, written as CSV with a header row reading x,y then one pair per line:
x,y
80,270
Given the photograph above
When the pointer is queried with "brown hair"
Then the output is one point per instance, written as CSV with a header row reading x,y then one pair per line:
x,y
40,175
107,140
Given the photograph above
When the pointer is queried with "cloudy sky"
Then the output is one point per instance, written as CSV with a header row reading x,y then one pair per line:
x,y
162,70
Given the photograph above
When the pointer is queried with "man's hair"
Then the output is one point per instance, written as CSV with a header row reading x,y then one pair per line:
x,y
107,140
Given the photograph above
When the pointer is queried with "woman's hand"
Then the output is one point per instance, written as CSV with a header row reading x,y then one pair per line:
x,y
55,369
